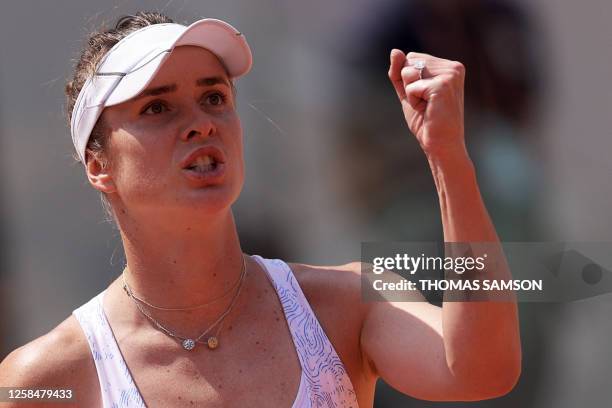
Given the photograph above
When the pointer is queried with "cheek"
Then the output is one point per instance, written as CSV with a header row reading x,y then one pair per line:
x,y
138,161
237,142
233,129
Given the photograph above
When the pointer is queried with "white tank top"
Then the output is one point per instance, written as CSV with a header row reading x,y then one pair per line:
x,y
324,381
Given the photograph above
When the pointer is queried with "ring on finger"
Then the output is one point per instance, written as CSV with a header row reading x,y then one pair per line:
x,y
419,65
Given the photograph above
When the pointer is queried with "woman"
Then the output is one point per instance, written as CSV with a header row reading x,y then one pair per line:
x,y
192,321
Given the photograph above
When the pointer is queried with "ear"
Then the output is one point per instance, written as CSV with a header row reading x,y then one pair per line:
x,y
98,173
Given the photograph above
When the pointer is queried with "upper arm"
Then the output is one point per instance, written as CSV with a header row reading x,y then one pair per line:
x,y
55,360
400,342
31,367
403,343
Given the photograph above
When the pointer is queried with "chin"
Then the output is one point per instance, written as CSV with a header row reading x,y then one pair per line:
x,y
192,201
209,200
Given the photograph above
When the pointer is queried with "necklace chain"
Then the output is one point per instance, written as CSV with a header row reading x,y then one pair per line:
x,y
170,309
189,343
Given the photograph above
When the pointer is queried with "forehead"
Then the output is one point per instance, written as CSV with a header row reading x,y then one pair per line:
x,y
187,62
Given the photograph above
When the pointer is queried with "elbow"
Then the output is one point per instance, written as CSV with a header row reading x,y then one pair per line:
x,y
495,382
502,383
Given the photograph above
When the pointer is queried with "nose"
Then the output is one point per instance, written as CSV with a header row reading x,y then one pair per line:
x,y
200,126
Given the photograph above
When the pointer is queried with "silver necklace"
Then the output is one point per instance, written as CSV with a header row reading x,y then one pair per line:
x,y
189,343
171,309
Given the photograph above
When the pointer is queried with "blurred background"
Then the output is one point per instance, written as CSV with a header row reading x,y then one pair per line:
x,y
330,162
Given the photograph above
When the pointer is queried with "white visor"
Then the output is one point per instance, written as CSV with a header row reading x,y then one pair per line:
x,y
131,64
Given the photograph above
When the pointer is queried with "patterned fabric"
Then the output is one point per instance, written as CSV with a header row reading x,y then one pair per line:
x,y
324,382
116,384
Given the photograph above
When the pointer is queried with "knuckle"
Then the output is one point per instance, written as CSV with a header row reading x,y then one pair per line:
x,y
446,84
458,67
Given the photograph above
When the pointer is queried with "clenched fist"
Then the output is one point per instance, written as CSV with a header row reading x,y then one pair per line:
x,y
432,101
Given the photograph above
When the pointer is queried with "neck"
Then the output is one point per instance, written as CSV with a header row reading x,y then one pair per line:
x,y
183,265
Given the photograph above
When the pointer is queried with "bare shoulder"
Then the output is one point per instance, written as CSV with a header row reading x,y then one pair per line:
x,y
330,274
334,293
58,359
331,286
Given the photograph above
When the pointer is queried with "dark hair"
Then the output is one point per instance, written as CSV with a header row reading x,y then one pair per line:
x,y
98,44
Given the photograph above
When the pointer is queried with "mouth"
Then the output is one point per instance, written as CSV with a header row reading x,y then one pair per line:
x,y
203,165
203,160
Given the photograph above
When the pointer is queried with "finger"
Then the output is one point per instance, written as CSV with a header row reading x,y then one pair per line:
x,y
397,62
410,74
418,93
431,69
427,57
433,66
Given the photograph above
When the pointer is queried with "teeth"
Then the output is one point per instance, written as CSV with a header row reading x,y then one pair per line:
x,y
203,164
203,169
203,161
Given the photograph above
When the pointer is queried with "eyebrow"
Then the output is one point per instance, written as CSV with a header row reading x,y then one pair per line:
x,y
159,90
212,81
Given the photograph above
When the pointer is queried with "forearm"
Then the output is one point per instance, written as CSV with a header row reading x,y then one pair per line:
x,y
481,338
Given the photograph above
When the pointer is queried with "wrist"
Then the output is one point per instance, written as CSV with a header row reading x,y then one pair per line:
x,y
456,159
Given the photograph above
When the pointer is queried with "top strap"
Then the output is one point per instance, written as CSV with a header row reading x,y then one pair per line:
x,y
116,383
327,382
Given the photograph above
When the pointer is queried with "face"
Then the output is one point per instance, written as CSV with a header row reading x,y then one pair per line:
x,y
189,105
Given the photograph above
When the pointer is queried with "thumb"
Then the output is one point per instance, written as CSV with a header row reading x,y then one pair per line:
x,y
398,58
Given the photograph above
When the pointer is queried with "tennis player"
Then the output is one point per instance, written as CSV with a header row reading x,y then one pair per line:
x,y
192,321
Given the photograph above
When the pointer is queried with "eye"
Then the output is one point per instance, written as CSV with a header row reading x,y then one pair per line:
x,y
155,108
216,98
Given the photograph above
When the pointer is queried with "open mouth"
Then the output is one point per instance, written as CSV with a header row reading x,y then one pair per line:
x,y
206,161
203,164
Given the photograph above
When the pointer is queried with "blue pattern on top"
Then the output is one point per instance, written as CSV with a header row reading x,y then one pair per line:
x,y
116,384
327,382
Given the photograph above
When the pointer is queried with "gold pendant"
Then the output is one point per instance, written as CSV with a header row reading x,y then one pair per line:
x,y
212,342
